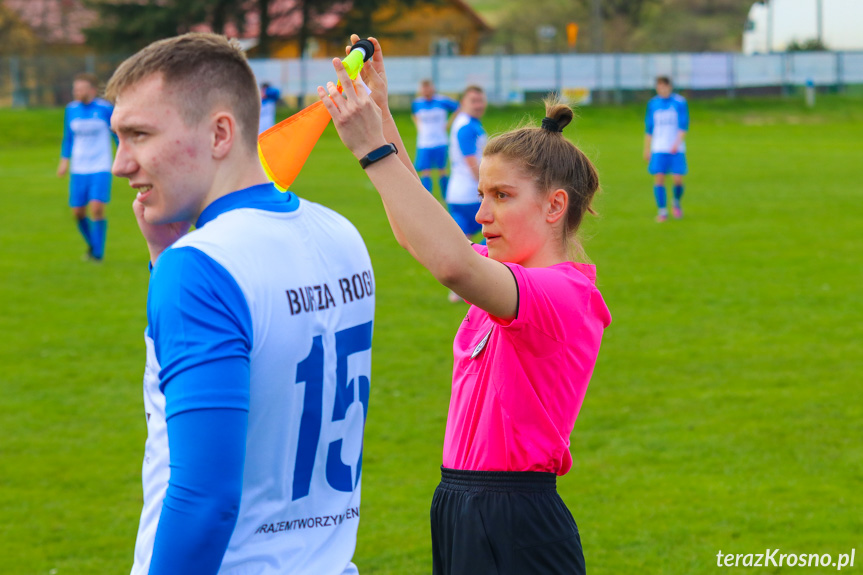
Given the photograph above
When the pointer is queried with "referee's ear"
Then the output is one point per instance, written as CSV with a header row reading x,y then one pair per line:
x,y
225,134
558,200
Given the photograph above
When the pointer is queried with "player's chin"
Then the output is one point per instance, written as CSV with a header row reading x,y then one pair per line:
x,y
154,216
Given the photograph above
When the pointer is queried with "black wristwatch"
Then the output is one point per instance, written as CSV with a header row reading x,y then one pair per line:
x,y
378,154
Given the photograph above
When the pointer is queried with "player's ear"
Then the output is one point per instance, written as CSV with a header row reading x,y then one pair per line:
x,y
557,202
224,132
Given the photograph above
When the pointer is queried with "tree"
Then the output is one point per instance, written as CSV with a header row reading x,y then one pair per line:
x,y
812,45
16,38
631,10
627,25
127,26
524,27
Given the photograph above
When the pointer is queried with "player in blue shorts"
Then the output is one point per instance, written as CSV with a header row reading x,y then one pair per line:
x,y
666,124
430,112
86,154
257,380
467,140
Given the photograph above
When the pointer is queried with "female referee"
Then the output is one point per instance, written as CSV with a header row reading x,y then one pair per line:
x,y
525,351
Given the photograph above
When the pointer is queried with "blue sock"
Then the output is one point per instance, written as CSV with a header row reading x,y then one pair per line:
x,y
659,194
98,232
678,193
84,228
444,182
427,182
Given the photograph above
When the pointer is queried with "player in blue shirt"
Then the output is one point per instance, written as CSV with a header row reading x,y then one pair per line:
x,y
257,379
86,154
430,112
666,124
270,97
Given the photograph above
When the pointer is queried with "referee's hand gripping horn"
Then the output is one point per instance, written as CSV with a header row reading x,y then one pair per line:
x,y
284,148
361,52
357,118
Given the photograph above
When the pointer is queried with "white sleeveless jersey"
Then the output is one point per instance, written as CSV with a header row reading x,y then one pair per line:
x,y
87,137
307,279
467,138
431,116
665,119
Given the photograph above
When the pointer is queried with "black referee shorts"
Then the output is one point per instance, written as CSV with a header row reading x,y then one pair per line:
x,y
502,523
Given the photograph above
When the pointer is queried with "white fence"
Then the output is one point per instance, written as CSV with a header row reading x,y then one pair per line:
x,y
508,78
47,80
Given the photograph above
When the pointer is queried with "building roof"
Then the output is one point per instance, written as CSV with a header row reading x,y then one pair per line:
x,y
472,14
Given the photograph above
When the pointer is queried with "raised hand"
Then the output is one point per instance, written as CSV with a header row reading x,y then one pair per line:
x,y
374,75
355,114
159,237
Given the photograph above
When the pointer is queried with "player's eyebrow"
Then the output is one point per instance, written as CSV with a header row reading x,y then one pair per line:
x,y
496,187
131,127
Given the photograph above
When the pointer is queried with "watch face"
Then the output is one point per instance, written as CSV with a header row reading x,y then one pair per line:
x,y
378,154
381,152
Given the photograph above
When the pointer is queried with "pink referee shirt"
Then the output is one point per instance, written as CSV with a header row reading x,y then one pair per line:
x,y
517,386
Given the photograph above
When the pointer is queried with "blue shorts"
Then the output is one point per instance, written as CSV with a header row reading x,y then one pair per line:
x,y
465,216
84,188
428,158
667,163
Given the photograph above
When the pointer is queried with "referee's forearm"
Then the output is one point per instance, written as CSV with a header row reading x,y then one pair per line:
x,y
434,238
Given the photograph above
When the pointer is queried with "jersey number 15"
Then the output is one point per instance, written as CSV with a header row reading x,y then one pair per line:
x,y
311,372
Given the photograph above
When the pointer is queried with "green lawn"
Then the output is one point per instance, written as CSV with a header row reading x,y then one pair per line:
x,y
724,413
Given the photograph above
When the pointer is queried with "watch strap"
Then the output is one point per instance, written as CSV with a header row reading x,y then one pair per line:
x,y
378,154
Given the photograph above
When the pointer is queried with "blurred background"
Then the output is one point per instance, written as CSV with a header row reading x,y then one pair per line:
x,y
609,50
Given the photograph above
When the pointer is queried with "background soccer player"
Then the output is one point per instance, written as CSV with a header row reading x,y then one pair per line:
x,y
666,124
467,139
270,97
86,153
430,112
256,386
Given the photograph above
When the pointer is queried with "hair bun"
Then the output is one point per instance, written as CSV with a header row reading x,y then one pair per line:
x,y
557,112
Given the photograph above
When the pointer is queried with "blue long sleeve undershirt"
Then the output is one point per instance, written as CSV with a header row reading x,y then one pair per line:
x,y
203,499
202,332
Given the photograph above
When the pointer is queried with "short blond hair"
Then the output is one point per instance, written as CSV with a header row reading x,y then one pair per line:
x,y
206,70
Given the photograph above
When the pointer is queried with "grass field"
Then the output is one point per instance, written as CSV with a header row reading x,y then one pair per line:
x,y
725,410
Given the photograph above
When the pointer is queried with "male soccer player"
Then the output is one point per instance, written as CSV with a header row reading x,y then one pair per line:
x,y
666,123
430,112
87,147
270,96
466,142
256,386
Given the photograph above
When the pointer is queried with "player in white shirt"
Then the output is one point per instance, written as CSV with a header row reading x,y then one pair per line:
x,y
467,140
259,331
666,123
430,112
86,154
